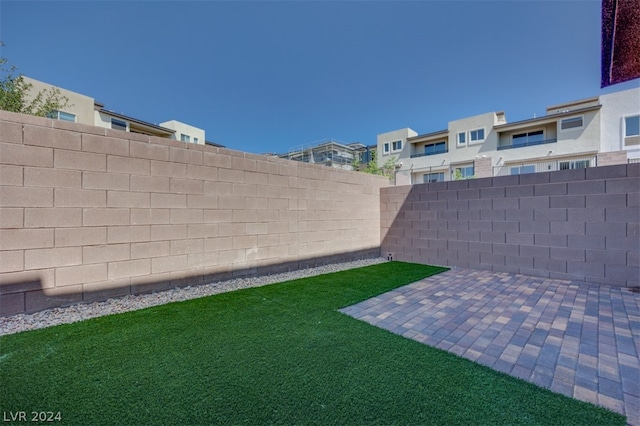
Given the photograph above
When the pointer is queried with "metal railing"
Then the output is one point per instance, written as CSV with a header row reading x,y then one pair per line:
x,y
425,154
417,175
523,144
544,166
633,160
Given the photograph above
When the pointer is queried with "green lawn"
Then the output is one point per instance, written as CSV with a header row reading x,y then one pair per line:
x,y
275,354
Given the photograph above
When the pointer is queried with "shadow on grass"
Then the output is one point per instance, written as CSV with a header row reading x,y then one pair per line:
x,y
275,354
29,292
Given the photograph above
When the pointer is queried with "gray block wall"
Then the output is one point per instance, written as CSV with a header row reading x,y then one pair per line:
x,y
570,224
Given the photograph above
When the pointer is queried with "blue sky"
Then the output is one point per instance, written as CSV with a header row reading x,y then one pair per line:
x,y
267,76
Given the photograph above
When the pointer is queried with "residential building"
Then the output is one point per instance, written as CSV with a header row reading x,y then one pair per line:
x,y
84,109
214,144
599,130
332,153
620,123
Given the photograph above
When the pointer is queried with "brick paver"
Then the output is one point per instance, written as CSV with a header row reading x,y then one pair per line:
x,y
577,339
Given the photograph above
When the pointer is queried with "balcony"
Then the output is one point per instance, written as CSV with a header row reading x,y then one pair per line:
x,y
434,152
545,166
527,143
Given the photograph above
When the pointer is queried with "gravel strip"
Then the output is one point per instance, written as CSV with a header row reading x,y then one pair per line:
x,y
83,311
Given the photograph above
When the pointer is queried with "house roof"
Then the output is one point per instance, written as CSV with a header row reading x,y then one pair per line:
x,y
427,136
544,119
566,105
139,124
217,145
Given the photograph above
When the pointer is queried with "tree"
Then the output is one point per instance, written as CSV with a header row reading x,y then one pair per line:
x,y
387,169
457,175
15,94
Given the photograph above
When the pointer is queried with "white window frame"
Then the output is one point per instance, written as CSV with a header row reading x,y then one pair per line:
x,y
394,146
439,174
475,141
571,129
66,116
624,132
195,140
625,125
58,115
385,148
185,138
462,167
518,170
463,136
630,141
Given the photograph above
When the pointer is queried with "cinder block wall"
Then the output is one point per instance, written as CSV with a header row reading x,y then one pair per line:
x,y
571,224
89,213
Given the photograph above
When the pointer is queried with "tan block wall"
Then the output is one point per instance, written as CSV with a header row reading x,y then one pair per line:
x,y
483,167
89,213
612,158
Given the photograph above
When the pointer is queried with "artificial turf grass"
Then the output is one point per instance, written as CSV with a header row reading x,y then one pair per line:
x,y
273,354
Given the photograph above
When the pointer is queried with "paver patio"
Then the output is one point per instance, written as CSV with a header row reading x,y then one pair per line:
x,y
578,339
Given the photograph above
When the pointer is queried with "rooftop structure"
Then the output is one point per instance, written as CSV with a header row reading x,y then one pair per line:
x,y
332,153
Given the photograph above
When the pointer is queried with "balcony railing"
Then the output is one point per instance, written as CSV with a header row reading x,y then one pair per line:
x,y
545,166
425,154
523,144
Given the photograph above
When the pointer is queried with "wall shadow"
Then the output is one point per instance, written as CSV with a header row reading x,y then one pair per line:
x,y
31,295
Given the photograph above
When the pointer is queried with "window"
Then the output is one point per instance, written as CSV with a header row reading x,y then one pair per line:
x,y
435,148
571,123
521,170
396,146
528,138
632,126
385,148
61,115
632,130
195,140
433,177
185,138
463,172
577,164
476,135
118,124
66,116
462,138
365,156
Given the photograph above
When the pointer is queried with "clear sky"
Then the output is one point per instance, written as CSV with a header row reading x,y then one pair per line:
x,y
268,76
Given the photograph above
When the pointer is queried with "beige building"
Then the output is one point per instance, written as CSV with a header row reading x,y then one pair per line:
x,y
596,131
84,109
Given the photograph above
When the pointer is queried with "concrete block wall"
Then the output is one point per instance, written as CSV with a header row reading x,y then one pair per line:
x,y
570,224
88,213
